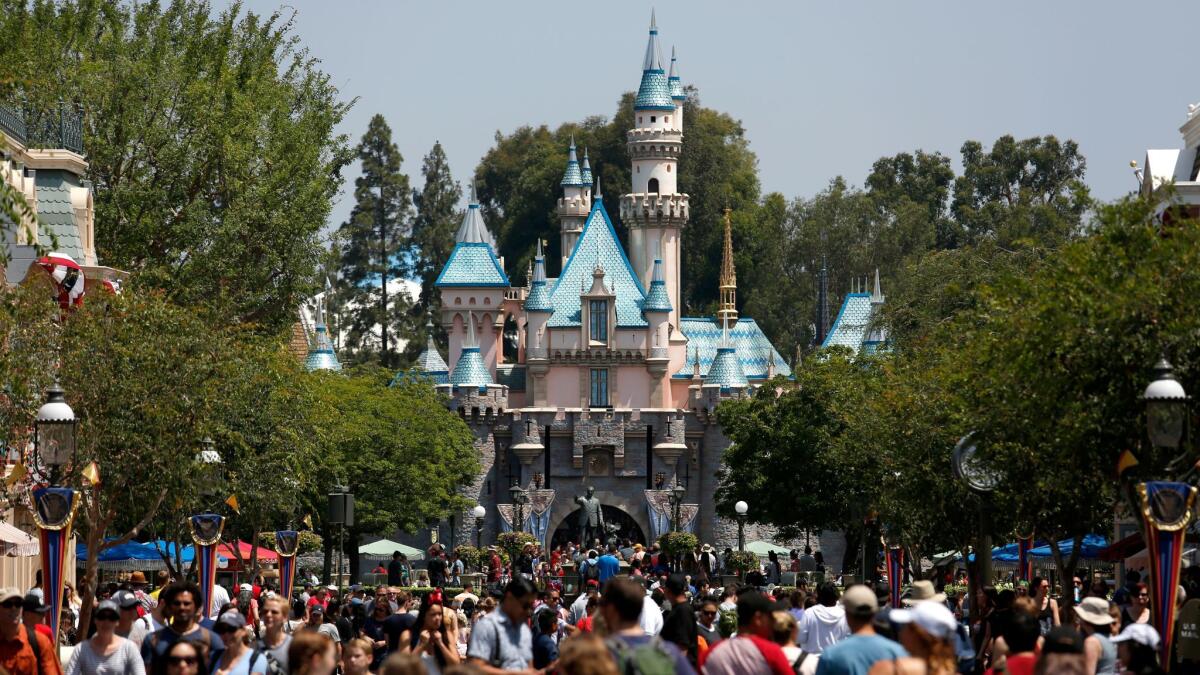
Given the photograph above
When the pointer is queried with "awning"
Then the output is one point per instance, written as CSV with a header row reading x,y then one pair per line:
x,y
1090,548
763,549
1123,549
15,542
383,549
264,554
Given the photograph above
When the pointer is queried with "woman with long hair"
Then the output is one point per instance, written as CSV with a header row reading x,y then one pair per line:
x,y
1047,607
429,638
311,653
928,633
237,657
183,658
106,653
1138,610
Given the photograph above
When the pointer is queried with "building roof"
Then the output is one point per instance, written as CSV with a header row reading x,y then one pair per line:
x,y
55,212
749,343
473,230
538,299
653,93
597,246
470,370
585,170
511,375
472,264
852,322
673,83
573,176
430,360
657,299
726,370
322,356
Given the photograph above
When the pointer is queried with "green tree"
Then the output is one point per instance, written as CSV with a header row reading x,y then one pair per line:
x,y
375,245
433,228
210,138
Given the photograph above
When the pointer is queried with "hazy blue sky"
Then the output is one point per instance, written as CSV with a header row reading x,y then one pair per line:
x,y
823,89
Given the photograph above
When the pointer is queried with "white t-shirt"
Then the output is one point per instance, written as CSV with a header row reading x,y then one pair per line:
x,y
651,619
124,660
220,598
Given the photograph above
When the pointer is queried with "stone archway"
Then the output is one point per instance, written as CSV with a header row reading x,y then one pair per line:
x,y
626,526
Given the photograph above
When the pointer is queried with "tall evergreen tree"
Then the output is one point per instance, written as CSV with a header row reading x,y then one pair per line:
x,y
434,225
374,245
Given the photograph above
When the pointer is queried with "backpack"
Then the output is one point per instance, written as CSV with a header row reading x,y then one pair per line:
x,y
592,571
799,662
650,658
964,649
31,635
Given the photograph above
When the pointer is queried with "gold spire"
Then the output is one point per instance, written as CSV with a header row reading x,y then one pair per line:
x,y
728,281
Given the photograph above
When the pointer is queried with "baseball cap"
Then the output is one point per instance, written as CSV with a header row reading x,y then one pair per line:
x,y
316,608
860,602
125,599
1141,633
932,617
245,587
10,593
32,603
108,605
232,619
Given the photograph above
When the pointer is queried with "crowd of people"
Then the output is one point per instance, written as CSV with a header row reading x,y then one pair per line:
x,y
655,616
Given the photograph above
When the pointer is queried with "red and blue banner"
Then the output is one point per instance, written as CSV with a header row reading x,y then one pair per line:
x,y
894,558
286,544
54,510
1166,511
206,533
1024,560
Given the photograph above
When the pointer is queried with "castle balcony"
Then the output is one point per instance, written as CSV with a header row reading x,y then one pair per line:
x,y
651,208
648,135
516,293
53,129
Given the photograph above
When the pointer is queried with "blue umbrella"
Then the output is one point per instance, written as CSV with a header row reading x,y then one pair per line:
x,y
1090,549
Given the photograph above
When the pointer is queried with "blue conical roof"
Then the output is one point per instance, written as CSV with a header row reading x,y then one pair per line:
x,y
429,365
470,371
726,370
673,83
657,299
322,356
572,176
654,92
586,170
538,299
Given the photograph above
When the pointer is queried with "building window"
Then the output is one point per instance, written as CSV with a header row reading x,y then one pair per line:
x,y
667,119
639,119
653,119
652,186
598,317
599,388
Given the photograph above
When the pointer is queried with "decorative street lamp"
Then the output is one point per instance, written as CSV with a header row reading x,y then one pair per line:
x,y
741,508
479,512
982,480
1166,407
1166,506
54,505
520,497
207,526
675,498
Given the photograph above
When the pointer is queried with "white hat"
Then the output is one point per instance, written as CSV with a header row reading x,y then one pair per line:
x,y
1094,610
933,617
1141,633
245,587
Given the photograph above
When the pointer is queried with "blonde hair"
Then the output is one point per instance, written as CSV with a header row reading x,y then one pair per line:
x,y
362,644
402,664
783,627
585,654
940,658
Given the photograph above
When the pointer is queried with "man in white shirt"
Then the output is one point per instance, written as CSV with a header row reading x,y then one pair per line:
x,y
220,598
823,624
651,619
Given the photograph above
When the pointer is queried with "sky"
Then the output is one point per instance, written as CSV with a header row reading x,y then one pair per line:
x,y
822,88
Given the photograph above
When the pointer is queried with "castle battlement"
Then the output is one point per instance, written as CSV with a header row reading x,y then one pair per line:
x,y
641,208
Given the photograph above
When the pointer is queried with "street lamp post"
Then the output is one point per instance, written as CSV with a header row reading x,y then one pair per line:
x,y
207,526
982,480
675,498
54,505
520,497
341,513
479,512
741,508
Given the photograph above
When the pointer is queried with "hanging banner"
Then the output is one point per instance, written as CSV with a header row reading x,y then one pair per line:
x,y
1166,512
54,511
1024,560
287,542
894,557
206,533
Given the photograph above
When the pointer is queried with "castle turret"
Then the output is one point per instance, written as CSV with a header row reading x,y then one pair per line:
x,y
576,202
537,310
321,356
726,369
727,311
676,87
657,309
654,211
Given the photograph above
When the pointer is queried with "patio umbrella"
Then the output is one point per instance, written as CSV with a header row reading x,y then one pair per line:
x,y
383,549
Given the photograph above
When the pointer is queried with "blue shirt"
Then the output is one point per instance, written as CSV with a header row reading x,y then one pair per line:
x,y
545,651
243,666
856,654
609,567
501,643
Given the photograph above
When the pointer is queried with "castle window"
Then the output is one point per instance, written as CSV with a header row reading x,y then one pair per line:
x,y
598,320
639,119
652,186
653,119
667,119
599,388
668,168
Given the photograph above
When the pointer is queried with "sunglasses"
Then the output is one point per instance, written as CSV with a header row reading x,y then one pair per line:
x,y
708,613
182,660
11,604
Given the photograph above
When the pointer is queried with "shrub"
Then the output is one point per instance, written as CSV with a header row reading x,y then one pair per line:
x,y
678,543
472,557
741,561
511,543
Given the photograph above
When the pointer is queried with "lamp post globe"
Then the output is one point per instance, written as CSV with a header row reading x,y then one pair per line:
x,y
54,433
479,512
1166,407
741,509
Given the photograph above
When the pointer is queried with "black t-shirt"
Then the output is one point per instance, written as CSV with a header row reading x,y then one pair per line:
x,y
679,627
395,569
389,629
437,568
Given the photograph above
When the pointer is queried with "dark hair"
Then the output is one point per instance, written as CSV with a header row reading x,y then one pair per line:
x,y
750,604
797,598
520,588
1132,577
676,584
1004,599
159,665
625,596
827,594
1142,659
547,621
177,588
1022,632
430,600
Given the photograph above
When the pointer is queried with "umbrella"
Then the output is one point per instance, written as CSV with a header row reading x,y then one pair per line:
x,y
1093,545
383,549
763,548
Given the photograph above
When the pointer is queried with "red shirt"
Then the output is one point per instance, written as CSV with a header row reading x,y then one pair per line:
x,y
585,624
494,564
745,653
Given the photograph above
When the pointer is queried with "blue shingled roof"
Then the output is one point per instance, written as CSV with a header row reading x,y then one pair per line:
x,y
656,299
511,376
598,244
322,357
472,264
470,370
853,320
572,176
726,369
748,340
538,299
676,88
55,212
585,170
654,93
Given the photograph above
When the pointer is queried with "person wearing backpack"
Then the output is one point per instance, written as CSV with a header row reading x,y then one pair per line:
x,y
238,658
180,598
502,641
635,652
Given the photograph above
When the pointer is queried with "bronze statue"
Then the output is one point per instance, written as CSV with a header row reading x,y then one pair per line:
x,y
591,518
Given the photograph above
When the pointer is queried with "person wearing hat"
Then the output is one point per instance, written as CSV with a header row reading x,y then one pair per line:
x,y
23,649
138,584
927,633
106,653
856,654
317,623
131,626
33,614
238,658
1137,648
1099,651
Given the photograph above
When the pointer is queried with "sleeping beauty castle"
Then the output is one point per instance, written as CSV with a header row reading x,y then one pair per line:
x,y
596,379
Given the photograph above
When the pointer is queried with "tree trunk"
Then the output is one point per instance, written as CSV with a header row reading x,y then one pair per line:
x,y
853,544
352,557
1066,572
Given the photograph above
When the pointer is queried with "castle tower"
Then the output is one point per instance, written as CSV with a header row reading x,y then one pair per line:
x,y
655,211
576,202
727,311
537,339
677,95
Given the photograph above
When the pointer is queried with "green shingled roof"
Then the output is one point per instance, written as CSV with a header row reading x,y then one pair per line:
x,y
55,210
